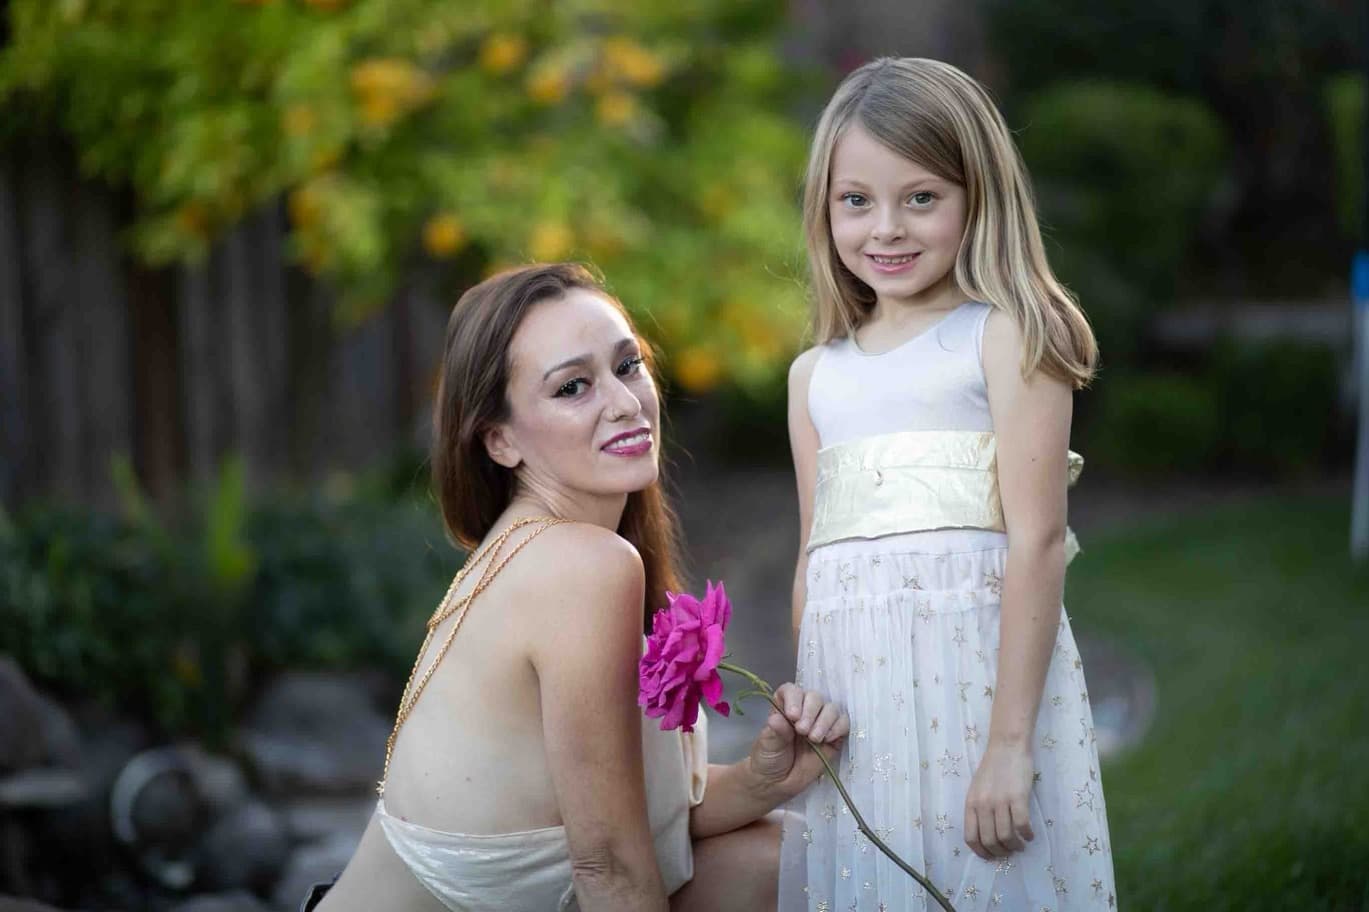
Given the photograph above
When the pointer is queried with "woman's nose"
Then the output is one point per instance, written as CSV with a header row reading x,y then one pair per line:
x,y
623,402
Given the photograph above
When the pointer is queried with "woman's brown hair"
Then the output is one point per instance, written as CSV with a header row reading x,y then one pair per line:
x,y
472,489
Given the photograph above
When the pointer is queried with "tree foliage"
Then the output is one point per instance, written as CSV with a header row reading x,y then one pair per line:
x,y
648,137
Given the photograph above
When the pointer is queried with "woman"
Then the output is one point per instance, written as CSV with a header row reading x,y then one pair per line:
x,y
526,778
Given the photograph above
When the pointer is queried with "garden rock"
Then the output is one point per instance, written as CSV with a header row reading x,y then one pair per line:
x,y
235,901
245,849
219,781
313,819
21,725
317,862
315,734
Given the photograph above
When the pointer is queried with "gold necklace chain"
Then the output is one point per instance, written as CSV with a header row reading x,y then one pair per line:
x,y
447,607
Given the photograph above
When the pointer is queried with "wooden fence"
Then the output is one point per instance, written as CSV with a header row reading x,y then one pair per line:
x,y
178,368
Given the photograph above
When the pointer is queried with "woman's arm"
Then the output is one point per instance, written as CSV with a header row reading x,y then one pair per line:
x,y
803,443
780,766
585,651
1031,419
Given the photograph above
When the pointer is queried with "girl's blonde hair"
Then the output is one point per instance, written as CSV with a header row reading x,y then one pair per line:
x,y
935,115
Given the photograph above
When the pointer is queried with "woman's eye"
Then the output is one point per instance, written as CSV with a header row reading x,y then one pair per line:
x,y
854,200
571,387
630,366
922,198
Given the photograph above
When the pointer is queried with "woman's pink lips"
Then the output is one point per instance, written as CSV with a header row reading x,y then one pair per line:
x,y
895,268
613,448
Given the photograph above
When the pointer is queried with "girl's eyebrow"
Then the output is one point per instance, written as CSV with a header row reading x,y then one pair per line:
x,y
910,185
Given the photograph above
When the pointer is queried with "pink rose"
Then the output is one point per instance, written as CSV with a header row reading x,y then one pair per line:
x,y
681,662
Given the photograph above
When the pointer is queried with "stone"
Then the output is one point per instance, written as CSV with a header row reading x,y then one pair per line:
x,y
315,733
18,904
218,780
41,788
246,848
317,862
234,901
313,819
21,725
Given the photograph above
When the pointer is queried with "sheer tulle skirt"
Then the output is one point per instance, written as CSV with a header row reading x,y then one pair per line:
x,y
906,637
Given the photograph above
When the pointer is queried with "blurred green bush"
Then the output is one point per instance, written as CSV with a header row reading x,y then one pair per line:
x,y
1263,410
176,623
649,137
1344,98
1124,174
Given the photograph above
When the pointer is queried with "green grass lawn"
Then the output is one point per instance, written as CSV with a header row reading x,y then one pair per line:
x,y
1251,790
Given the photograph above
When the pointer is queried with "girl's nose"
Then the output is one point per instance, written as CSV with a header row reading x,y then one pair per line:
x,y
888,227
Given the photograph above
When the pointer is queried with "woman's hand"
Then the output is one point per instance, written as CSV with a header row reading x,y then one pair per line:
x,y
780,761
997,808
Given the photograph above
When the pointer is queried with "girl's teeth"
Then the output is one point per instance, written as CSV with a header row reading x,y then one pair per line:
x,y
893,261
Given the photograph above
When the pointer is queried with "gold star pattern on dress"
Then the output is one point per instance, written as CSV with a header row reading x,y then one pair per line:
x,y
911,582
964,686
972,734
1112,900
1048,742
860,734
1061,886
828,812
808,836
898,700
956,851
884,765
993,582
936,725
959,637
949,763
823,906
881,661
996,899
1097,886
971,891
1057,700
845,873
857,664
988,692
854,907
943,823
1002,866
1083,797
1091,845
924,612
1036,776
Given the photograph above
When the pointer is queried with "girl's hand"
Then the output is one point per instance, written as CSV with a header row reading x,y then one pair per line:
x,y
997,816
780,761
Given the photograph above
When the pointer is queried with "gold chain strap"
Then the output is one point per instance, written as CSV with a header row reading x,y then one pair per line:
x,y
447,607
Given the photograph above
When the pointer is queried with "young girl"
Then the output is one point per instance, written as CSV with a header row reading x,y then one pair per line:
x,y
929,431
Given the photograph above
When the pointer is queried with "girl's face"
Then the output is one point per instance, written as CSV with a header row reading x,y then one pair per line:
x,y
583,411
896,225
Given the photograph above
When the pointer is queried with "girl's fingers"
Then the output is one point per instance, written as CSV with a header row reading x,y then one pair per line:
x,y
824,723
972,834
1007,837
812,704
988,835
791,698
1021,819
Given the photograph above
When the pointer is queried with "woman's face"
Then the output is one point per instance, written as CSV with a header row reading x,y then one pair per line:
x,y
583,411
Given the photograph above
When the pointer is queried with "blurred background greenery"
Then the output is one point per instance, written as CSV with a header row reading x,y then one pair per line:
x,y
230,233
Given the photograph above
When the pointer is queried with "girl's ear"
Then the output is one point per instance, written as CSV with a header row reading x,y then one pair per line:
x,y
501,448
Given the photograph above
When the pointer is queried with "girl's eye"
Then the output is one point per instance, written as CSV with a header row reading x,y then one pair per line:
x,y
922,198
571,387
630,366
854,200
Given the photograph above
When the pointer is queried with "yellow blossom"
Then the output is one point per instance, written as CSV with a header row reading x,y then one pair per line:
x,y
299,120
548,85
388,87
502,52
550,241
305,207
193,219
444,235
632,62
698,369
716,201
615,108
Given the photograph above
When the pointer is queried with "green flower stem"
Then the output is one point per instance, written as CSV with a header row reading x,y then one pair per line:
x,y
765,690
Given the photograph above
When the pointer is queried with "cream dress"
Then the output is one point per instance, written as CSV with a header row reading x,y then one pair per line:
x,y
901,625
530,871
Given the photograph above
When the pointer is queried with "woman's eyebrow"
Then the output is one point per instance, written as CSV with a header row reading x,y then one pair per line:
x,y
585,360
